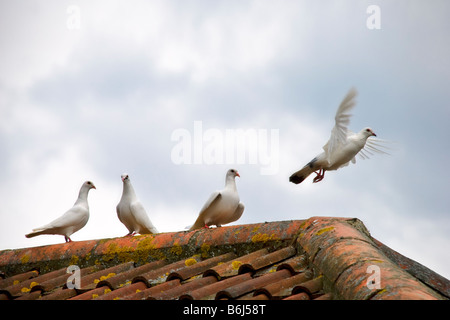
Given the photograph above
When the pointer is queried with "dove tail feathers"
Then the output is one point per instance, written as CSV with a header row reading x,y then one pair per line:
x,y
300,175
303,173
35,232
148,230
199,223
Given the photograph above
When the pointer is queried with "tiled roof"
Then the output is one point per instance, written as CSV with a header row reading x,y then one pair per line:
x,y
318,258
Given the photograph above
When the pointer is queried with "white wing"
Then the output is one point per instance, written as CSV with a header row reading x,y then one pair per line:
x,y
342,119
209,205
73,219
238,212
142,219
372,146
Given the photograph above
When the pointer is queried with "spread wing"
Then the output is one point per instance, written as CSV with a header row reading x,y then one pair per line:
x,y
342,119
372,146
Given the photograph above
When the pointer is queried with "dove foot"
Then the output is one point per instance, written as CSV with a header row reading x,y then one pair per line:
x,y
320,176
130,234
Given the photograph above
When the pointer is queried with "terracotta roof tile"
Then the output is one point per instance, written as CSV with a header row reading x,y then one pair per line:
x,y
160,275
175,292
124,291
250,285
319,258
310,287
298,296
91,281
295,264
59,281
209,292
19,289
18,278
145,293
266,260
231,268
200,267
283,288
126,277
343,251
59,294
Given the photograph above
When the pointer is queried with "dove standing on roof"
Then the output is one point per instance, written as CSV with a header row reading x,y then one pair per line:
x,y
71,221
222,206
131,212
342,147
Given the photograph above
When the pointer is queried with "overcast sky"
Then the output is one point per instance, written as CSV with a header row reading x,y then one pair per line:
x,y
92,89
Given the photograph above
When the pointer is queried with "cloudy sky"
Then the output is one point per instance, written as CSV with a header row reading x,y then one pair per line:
x,y
166,91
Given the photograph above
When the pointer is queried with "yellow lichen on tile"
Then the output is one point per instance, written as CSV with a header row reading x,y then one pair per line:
x,y
74,260
205,250
32,284
190,262
109,275
324,230
264,237
176,249
255,229
236,264
25,258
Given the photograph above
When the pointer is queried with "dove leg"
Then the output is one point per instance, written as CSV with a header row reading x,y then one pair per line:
x,y
130,234
67,239
320,176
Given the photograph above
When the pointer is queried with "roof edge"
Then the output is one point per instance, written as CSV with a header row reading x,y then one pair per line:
x,y
353,266
143,248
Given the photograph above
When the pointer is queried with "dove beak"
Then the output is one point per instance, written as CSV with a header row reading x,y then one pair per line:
x,y
373,133
237,174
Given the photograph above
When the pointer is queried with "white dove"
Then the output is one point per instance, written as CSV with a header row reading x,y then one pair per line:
x,y
342,147
222,206
131,212
71,221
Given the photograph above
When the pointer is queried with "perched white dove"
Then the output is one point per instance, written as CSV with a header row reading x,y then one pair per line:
x,y
131,212
342,147
222,206
71,221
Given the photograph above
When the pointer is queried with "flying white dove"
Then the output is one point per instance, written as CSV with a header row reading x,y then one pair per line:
x,y
222,206
71,221
342,147
131,212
